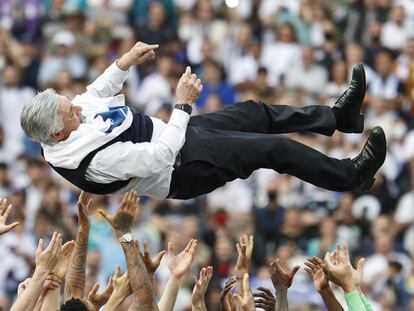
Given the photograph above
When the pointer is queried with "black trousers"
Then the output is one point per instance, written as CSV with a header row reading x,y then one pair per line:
x,y
232,143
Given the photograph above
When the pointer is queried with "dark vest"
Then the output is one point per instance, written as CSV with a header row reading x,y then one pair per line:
x,y
139,131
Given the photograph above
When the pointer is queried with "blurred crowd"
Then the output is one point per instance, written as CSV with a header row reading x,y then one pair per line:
x,y
292,52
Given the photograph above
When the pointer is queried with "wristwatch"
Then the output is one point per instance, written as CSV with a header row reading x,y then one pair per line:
x,y
126,238
184,107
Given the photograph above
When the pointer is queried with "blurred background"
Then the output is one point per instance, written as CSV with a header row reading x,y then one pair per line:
x,y
293,52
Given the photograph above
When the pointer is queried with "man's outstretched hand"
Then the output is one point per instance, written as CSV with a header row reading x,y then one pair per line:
x,y
4,213
122,220
138,54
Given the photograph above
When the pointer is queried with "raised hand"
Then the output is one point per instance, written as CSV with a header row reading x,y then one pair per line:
x,y
122,288
47,259
98,300
281,278
151,264
264,299
245,302
4,213
180,264
201,285
227,302
139,53
63,263
341,271
245,251
316,269
122,220
84,202
188,88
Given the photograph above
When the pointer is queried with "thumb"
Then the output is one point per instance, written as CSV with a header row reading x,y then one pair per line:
x,y
93,291
40,246
360,265
11,226
159,257
295,269
104,215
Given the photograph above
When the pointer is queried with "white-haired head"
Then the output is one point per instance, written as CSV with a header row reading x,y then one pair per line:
x,y
39,118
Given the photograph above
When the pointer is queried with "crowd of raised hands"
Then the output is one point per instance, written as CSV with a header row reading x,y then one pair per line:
x,y
62,264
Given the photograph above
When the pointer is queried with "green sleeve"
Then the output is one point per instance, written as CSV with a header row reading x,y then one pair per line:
x,y
354,302
364,300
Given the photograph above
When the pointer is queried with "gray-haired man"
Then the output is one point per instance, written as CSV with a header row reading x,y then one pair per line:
x,y
99,145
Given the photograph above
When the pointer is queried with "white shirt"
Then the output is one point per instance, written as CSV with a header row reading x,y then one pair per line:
x,y
149,164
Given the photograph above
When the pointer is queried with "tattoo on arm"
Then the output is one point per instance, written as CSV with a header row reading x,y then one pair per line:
x,y
75,276
139,279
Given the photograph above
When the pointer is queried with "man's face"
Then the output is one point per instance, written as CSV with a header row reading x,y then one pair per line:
x,y
70,115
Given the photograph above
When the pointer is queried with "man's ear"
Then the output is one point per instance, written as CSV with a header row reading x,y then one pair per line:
x,y
57,136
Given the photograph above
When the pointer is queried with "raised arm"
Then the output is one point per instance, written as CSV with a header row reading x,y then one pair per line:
x,y
344,275
122,289
51,300
110,82
178,266
139,279
200,288
281,280
245,251
75,276
46,260
316,269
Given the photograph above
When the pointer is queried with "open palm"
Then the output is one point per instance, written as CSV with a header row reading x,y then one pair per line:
x,y
179,264
4,213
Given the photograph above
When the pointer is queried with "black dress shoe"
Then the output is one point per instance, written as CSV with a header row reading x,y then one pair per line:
x,y
370,159
347,108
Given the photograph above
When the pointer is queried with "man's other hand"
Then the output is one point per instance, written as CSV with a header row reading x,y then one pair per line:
x,y
188,88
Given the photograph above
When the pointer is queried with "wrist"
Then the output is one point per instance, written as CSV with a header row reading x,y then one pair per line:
x,y
281,290
348,288
184,107
325,290
123,62
41,273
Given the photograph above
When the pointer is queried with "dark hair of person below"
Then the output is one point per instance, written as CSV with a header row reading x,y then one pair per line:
x,y
73,305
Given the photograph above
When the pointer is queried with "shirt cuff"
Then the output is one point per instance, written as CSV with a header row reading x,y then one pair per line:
x,y
116,72
179,118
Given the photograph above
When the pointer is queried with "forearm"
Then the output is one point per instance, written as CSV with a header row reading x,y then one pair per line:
x,y
173,135
200,306
28,299
239,281
354,302
330,300
138,278
364,300
114,303
75,276
51,302
169,294
281,300
110,82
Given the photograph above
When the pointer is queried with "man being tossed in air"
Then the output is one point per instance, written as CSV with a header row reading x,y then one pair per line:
x,y
101,146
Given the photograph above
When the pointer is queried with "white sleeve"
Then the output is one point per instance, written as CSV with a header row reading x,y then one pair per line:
x,y
124,160
109,83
